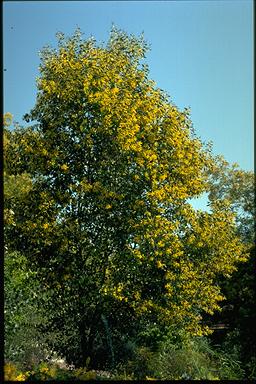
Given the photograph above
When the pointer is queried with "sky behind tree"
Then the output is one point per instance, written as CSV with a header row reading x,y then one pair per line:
x,y
201,55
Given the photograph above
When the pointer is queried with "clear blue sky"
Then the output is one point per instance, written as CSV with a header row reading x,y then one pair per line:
x,y
201,55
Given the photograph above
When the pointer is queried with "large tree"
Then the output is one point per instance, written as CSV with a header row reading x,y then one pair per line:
x,y
107,222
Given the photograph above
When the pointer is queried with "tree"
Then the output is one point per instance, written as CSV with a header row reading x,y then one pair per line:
x,y
107,224
24,344
229,182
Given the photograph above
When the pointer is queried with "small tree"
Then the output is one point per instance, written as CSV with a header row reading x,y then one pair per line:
x,y
231,183
24,343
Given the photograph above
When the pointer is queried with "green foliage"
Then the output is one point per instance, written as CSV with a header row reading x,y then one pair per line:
x,y
24,342
239,349
251,368
140,366
181,357
150,335
228,182
83,374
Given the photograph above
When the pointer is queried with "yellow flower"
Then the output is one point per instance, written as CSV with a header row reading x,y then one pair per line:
x,y
108,206
159,264
115,90
45,225
21,377
44,369
64,167
160,243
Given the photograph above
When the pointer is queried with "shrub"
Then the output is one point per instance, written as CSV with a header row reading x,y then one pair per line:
x,y
187,362
251,368
83,374
183,357
141,364
25,344
136,368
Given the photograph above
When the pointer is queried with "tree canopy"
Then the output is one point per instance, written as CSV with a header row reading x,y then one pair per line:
x,y
104,216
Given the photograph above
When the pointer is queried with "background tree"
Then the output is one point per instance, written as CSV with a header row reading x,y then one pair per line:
x,y
107,224
24,344
229,182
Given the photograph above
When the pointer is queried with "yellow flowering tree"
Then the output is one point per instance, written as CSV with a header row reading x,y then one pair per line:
x,y
108,222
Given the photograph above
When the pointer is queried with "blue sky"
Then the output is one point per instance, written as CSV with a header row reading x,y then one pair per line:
x,y
201,55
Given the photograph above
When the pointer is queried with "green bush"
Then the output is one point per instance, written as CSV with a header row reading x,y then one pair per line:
x,y
140,366
25,344
83,374
174,362
181,357
231,360
251,368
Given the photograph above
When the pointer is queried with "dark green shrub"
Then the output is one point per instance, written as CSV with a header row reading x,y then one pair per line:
x,y
140,366
251,368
